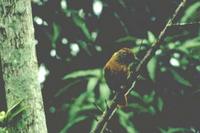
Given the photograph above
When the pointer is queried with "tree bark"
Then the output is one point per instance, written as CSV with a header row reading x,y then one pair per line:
x,y
19,65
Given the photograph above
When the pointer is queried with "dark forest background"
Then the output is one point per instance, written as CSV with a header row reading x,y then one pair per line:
x,y
74,40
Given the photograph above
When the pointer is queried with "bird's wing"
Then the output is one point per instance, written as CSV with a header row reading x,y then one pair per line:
x,y
115,77
109,74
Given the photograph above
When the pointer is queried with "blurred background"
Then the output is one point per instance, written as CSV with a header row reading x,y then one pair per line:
x,y
74,40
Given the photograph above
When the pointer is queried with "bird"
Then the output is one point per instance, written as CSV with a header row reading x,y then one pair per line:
x,y
117,71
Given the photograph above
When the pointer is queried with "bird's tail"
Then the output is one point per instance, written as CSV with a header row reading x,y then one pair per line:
x,y
122,100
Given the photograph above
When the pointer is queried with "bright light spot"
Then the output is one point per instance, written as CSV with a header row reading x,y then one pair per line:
x,y
35,41
177,42
38,20
158,52
35,1
45,23
53,53
94,35
176,55
38,2
81,13
52,109
153,18
198,68
174,62
171,45
97,7
64,41
43,72
98,48
68,14
63,4
163,69
74,49
2,115
15,61
184,67
140,41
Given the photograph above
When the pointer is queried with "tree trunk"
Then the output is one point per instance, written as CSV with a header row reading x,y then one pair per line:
x,y
19,65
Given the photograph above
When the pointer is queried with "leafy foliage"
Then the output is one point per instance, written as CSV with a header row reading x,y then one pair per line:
x,y
79,43
10,116
175,130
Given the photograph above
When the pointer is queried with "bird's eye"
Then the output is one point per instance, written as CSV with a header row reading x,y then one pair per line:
x,y
123,53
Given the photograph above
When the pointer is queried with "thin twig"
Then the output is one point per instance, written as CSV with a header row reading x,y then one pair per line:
x,y
121,23
102,123
185,24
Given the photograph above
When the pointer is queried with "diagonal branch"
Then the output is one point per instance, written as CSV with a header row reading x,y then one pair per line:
x,y
108,113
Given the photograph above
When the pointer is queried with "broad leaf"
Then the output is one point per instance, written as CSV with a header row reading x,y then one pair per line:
x,y
126,123
190,12
160,104
73,122
180,79
80,22
55,34
151,37
104,91
83,73
151,67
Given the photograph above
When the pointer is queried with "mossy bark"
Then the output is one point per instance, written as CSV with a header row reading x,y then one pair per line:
x,y
19,65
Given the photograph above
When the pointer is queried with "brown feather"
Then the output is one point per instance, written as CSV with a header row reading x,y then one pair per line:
x,y
116,72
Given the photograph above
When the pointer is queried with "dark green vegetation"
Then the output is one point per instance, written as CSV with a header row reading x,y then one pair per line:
x,y
74,44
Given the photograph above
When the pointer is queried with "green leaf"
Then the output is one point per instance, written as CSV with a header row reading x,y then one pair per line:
x,y
64,89
80,22
191,43
160,104
191,47
126,39
175,130
148,98
84,46
88,107
83,73
75,110
135,94
151,37
15,110
72,122
122,3
14,107
151,68
191,12
162,130
151,110
126,123
92,83
3,130
13,115
180,79
55,34
76,107
104,91
2,116
138,107
136,49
